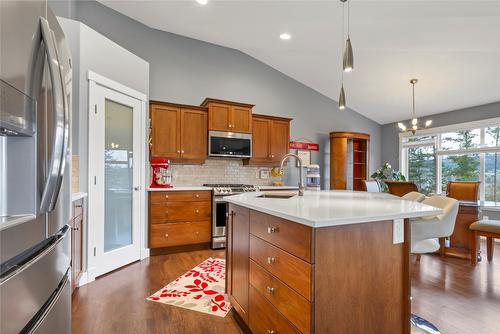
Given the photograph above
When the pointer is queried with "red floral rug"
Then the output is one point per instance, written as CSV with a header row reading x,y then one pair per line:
x,y
200,289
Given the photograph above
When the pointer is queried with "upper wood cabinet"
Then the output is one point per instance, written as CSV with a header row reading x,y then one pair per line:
x,y
178,132
228,116
270,139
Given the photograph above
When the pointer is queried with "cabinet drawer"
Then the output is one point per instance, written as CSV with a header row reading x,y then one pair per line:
x,y
292,305
177,234
265,318
179,211
292,237
180,196
294,272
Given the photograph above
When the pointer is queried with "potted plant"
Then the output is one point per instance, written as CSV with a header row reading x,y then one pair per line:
x,y
387,173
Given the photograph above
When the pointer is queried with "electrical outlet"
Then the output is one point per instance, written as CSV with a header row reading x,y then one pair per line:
x,y
486,218
398,231
264,173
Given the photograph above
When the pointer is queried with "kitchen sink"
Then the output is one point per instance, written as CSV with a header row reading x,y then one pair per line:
x,y
278,194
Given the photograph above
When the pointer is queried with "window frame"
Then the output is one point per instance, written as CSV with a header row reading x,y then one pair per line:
x,y
437,132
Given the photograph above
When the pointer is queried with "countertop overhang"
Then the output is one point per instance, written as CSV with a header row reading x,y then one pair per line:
x,y
335,207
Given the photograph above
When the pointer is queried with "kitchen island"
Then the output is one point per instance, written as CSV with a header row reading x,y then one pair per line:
x,y
325,262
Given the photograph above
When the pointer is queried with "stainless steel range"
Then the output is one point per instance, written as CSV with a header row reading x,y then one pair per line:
x,y
220,212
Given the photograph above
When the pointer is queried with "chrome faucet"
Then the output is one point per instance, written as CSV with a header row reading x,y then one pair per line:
x,y
301,170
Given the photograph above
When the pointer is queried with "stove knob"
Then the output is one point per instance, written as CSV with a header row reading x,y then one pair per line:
x,y
217,189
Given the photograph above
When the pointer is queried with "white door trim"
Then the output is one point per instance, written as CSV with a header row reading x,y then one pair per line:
x,y
99,80
111,84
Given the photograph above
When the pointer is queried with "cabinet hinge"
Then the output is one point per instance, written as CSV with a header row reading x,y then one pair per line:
x,y
94,251
95,180
95,108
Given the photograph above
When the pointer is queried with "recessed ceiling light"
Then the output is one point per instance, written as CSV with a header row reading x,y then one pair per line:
x,y
285,36
202,2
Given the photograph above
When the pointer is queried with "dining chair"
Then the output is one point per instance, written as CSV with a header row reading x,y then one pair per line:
x,y
372,186
400,188
463,190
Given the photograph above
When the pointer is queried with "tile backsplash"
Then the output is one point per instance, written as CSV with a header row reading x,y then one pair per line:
x,y
219,171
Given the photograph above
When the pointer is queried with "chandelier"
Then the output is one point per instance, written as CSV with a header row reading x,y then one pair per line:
x,y
414,121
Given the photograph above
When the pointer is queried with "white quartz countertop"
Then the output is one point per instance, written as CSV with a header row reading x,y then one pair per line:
x,y
78,195
181,188
337,207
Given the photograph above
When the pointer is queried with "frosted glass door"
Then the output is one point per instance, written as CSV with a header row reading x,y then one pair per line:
x,y
118,175
116,152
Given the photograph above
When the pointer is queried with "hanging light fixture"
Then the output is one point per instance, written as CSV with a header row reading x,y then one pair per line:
x,y
342,93
348,59
414,121
342,98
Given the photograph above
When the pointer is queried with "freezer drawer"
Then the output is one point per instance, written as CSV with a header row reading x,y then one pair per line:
x,y
55,316
28,280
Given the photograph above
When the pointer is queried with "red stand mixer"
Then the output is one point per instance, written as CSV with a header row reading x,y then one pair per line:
x,y
161,177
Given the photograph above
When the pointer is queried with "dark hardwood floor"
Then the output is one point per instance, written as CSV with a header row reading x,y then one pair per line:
x,y
458,298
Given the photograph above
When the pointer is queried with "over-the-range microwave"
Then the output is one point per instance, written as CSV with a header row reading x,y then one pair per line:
x,y
229,144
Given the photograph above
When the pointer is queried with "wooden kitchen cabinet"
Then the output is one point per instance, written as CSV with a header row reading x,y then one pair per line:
x,y
349,160
237,259
270,139
76,225
228,116
287,277
179,218
178,132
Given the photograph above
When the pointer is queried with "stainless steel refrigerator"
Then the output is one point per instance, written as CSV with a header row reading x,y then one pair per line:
x,y
35,99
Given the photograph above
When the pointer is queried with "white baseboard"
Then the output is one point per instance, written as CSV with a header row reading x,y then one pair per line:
x,y
144,253
85,278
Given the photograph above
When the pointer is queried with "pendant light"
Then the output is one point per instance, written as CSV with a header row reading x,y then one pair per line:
x,y
342,98
342,93
414,121
348,59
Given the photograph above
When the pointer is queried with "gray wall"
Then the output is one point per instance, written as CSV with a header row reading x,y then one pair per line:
x,y
390,139
186,71
94,52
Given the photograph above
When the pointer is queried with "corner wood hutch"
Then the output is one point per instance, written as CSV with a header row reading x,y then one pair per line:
x,y
349,160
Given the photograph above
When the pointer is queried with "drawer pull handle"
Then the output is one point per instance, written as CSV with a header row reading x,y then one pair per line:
x,y
271,260
197,211
270,290
166,235
196,232
271,331
197,196
166,196
271,230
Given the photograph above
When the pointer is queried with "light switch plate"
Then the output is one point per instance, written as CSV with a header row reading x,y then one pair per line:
x,y
398,231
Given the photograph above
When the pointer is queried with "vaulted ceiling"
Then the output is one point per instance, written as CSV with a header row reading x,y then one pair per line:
x,y
452,47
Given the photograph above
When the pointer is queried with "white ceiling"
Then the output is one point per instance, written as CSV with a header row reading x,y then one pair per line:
x,y
452,47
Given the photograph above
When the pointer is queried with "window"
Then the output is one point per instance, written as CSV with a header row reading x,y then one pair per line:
x,y
422,167
462,152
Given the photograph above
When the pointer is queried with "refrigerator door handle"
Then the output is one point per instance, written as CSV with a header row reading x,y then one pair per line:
x,y
40,316
60,137
32,256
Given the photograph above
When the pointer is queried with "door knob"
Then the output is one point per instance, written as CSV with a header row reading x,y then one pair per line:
x,y
271,260
137,188
166,235
197,211
270,289
182,151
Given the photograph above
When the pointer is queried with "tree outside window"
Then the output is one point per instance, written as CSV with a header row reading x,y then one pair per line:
x,y
461,167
